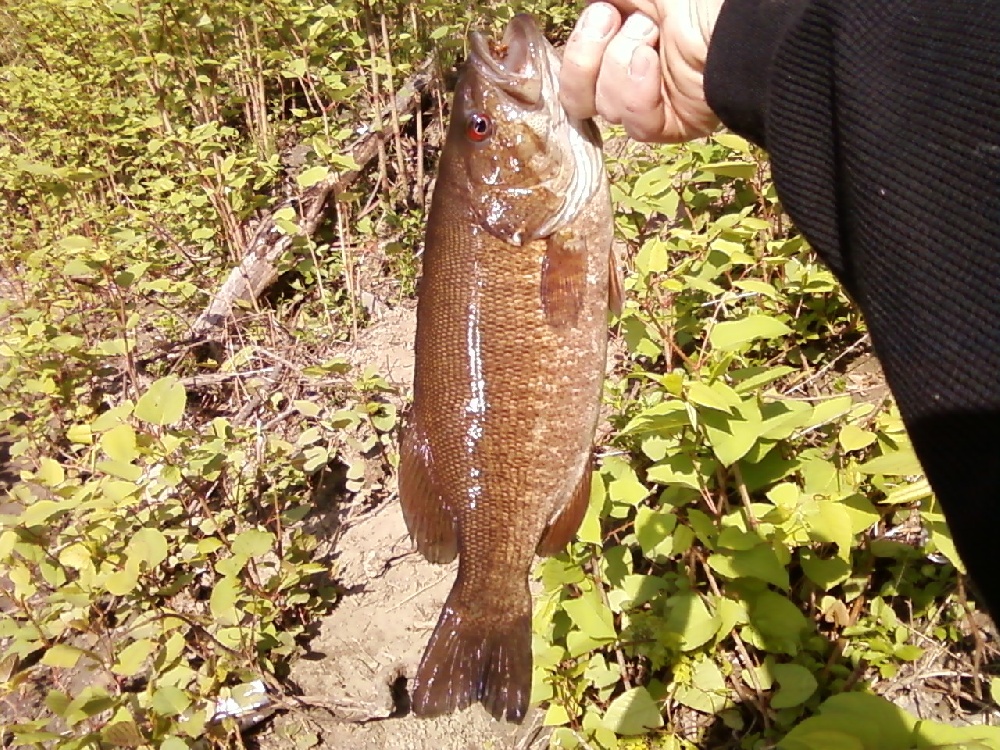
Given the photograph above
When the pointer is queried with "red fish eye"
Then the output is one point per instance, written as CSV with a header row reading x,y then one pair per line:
x,y
479,127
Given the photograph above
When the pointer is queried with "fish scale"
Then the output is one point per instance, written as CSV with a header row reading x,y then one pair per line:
x,y
510,353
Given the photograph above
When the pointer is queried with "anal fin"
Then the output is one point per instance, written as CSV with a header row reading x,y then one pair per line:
x,y
428,518
563,526
564,279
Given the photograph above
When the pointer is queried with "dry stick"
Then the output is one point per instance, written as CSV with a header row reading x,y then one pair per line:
x,y
376,90
396,134
741,650
418,185
619,656
257,270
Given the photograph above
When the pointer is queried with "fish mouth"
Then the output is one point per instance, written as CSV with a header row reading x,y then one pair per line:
x,y
518,64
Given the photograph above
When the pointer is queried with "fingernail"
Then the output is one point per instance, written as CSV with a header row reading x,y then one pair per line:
x,y
597,21
638,26
639,65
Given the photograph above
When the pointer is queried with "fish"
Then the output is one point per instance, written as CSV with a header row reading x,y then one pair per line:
x,y
511,341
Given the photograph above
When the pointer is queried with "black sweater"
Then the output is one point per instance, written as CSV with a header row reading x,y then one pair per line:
x,y
882,120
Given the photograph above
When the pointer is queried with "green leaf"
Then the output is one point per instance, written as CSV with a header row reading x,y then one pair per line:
x,y
707,691
627,488
690,620
796,685
164,402
50,472
731,437
148,545
119,443
252,543
830,409
853,438
312,176
633,712
718,395
592,616
733,334
124,581
902,463
777,624
132,658
62,656
223,601
170,701
759,562
652,530
855,721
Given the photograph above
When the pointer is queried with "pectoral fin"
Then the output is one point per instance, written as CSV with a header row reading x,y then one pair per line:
x,y
564,279
616,286
427,517
563,526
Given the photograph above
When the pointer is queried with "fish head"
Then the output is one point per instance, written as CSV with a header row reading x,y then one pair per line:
x,y
528,166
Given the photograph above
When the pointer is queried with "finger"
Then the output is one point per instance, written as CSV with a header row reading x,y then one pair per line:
x,y
643,114
614,80
582,58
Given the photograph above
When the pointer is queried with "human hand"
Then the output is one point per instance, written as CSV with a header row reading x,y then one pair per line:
x,y
640,63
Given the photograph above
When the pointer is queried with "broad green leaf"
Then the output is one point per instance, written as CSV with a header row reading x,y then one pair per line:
x,y
50,472
777,624
796,684
591,615
633,712
733,334
133,657
223,601
759,562
627,488
911,493
690,620
751,379
821,737
124,581
170,701
707,692
148,545
824,573
743,170
80,434
830,409
829,521
253,543
679,470
718,395
731,437
39,512
119,443
870,720
902,463
62,656
652,530
853,438
312,176
164,402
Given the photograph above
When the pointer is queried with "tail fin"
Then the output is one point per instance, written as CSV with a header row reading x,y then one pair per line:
x,y
477,657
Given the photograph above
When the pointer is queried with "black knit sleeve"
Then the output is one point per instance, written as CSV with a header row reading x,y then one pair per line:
x,y
882,120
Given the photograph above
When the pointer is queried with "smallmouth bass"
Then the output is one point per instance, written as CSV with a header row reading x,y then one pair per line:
x,y
511,343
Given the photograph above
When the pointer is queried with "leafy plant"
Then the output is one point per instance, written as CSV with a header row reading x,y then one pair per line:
x,y
733,576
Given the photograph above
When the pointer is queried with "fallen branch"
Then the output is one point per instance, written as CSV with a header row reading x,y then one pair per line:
x,y
258,270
